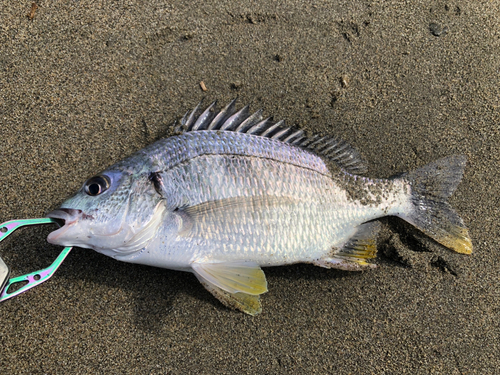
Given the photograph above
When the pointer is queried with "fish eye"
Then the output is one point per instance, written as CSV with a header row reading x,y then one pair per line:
x,y
97,185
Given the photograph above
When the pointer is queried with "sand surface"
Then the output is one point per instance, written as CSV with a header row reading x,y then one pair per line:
x,y
85,83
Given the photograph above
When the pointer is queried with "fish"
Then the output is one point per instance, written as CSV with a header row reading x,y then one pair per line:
x,y
232,192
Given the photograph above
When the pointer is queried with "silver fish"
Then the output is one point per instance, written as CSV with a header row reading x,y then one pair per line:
x,y
235,192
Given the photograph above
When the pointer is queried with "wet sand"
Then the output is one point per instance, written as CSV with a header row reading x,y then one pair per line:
x,y
83,84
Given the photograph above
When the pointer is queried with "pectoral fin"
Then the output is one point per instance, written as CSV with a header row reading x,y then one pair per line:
x,y
236,284
212,217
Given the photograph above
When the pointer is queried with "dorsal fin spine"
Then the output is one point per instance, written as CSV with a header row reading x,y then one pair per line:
x,y
270,129
191,117
235,119
204,117
249,122
292,136
221,117
280,133
259,126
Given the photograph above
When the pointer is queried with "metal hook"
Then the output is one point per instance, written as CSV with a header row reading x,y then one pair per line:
x,y
34,278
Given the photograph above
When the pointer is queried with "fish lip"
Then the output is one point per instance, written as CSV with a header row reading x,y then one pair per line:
x,y
69,215
66,214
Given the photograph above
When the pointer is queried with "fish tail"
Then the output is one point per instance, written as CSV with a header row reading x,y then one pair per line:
x,y
431,186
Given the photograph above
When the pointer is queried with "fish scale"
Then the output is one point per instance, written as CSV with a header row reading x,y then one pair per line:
x,y
295,234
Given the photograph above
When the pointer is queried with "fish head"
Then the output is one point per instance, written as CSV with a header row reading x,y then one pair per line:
x,y
115,213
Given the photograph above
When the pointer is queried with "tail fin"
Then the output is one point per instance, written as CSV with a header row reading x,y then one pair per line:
x,y
431,187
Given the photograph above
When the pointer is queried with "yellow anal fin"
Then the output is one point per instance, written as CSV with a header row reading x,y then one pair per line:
x,y
363,245
353,255
233,277
249,304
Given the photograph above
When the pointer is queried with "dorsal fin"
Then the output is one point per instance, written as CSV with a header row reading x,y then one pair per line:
x,y
243,121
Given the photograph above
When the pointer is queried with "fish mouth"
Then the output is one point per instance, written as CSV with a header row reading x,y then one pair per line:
x,y
69,216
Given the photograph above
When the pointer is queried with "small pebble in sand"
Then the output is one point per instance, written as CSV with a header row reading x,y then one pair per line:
x,y
31,14
236,85
438,30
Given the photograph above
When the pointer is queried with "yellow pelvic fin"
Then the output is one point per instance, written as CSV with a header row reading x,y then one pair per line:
x,y
233,277
249,304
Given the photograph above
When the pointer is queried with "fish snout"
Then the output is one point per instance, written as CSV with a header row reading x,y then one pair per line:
x,y
70,216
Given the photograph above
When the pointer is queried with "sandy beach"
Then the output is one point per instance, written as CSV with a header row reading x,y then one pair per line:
x,y
83,84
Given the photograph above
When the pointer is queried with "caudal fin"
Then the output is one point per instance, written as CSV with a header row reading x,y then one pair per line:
x,y
431,187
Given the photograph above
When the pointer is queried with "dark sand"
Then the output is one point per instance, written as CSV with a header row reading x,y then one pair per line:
x,y
85,83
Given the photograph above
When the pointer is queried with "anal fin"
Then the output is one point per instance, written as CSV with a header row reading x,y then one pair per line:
x,y
355,252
